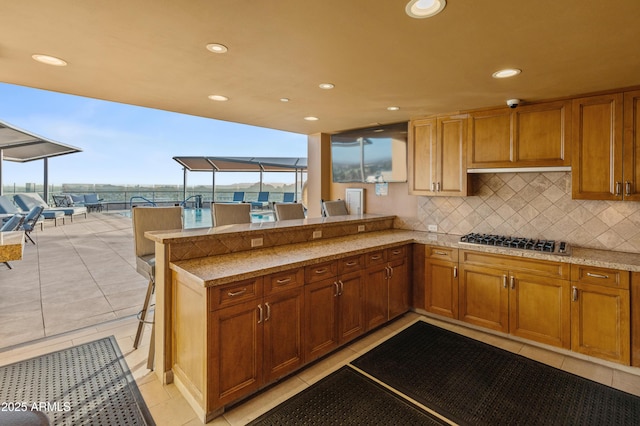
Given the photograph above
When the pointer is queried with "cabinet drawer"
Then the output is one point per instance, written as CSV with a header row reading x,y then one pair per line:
x,y
230,294
375,258
442,253
282,281
353,263
600,276
545,268
396,253
320,271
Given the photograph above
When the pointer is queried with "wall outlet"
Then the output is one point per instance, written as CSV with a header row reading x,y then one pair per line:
x,y
256,242
433,228
317,234
360,228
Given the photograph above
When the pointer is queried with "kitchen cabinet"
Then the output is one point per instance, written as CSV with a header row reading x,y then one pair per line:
x,y
600,313
387,285
527,298
631,144
441,281
536,135
334,299
437,153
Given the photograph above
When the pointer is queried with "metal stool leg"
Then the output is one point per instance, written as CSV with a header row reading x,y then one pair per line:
x,y
143,313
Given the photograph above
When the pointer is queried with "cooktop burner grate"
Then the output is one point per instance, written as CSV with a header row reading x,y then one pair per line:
x,y
546,246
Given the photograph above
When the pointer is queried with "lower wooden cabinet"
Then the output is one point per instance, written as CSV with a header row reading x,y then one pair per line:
x,y
441,281
600,313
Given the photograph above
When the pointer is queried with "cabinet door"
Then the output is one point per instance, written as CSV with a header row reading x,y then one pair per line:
x,y
350,306
235,360
490,139
600,322
596,160
441,288
539,309
398,284
422,150
451,166
484,297
320,319
542,134
283,348
632,146
376,296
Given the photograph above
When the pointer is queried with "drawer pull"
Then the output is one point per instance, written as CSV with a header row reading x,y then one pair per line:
x,y
440,253
397,251
237,293
592,275
376,257
283,280
321,271
352,263
574,293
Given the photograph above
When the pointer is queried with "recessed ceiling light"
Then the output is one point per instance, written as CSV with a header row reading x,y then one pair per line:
x,y
311,118
393,108
506,73
220,98
49,60
284,99
424,8
326,86
217,48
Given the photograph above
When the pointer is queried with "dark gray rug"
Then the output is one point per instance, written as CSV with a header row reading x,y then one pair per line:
x,y
473,383
89,384
346,397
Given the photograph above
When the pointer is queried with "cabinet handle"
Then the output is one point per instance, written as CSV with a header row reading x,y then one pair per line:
x,y
438,187
268,312
283,280
455,272
395,252
341,287
237,293
513,282
618,188
260,317
337,293
440,253
574,294
589,274
321,271
627,188
390,272
376,257
433,187
352,263
504,281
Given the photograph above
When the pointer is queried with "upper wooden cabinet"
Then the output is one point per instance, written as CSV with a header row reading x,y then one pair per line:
x,y
631,147
437,152
536,135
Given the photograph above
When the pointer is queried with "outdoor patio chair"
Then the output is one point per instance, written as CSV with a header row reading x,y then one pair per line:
x,y
229,214
28,201
334,208
147,218
287,211
30,221
8,208
13,224
92,202
263,200
238,197
289,197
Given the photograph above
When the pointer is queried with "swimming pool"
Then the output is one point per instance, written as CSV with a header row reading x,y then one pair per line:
x,y
201,218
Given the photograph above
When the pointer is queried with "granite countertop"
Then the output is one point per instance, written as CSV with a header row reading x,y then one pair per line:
x,y
218,270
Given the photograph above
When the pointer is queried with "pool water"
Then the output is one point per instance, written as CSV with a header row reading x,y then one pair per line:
x,y
201,218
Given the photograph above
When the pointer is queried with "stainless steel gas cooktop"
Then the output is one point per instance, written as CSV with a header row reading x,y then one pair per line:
x,y
545,246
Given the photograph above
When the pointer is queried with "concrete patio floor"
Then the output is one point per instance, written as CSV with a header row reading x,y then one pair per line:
x,y
77,275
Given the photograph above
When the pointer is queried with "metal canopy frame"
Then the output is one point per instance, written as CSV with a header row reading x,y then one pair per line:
x,y
241,164
21,146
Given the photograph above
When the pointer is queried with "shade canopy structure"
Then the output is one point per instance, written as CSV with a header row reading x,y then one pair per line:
x,y
22,146
241,164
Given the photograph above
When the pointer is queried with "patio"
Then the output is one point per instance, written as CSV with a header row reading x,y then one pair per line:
x,y
77,275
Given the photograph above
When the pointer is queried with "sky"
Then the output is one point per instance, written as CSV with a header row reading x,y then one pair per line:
x,y
124,144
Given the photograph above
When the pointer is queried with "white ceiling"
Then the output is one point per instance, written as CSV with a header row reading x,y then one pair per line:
x,y
152,53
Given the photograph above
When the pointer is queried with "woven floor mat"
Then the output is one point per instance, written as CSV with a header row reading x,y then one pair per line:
x,y
89,384
473,383
346,397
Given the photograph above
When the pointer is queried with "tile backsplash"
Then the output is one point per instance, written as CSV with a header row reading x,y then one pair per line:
x,y
535,205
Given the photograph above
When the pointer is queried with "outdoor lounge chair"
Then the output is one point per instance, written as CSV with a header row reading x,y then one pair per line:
x,y
145,219
13,224
27,201
289,197
287,211
238,197
229,214
263,199
92,202
335,208
8,208
30,221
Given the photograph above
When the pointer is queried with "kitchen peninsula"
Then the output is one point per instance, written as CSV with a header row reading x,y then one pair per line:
x,y
231,318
